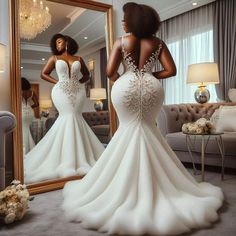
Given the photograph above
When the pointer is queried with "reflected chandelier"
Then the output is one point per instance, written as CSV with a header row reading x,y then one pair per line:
x,y
34,18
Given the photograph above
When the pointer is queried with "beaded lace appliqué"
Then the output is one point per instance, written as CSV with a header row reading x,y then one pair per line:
x,y
70,86
140,96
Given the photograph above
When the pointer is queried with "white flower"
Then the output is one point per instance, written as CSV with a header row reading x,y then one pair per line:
x,y
9,218
185,128
201,121
9,192
2,195
15,182
199,130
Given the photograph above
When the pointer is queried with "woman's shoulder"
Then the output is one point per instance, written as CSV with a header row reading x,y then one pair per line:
x,y
77,57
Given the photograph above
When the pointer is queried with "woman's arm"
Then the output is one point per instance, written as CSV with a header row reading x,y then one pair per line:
x,y
114,61
167,63
84,71
35,100
48,68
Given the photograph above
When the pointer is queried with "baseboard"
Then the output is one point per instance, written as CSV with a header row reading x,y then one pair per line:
x,y
230,171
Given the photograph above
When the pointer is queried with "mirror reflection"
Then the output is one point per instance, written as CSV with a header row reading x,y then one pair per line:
x,y
65,117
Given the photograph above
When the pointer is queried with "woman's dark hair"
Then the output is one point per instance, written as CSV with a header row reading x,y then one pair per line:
x,y
72,45
143,21
25,84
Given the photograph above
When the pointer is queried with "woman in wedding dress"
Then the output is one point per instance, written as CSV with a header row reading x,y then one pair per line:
x,y
70,147
138,185
29,102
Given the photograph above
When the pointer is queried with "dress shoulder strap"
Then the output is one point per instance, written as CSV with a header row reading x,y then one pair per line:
x,y
159,48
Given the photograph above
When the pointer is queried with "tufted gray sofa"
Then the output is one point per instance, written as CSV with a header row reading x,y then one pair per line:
x,y
170,121
97,120
7,124
99,123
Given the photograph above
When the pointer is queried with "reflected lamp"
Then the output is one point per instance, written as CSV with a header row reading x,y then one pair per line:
x,y
45,105
98,94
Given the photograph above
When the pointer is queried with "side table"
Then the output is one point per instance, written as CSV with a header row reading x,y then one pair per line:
x,y
191,145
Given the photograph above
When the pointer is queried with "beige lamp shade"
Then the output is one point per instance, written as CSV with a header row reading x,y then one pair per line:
x,y
203,73
45,104
91,65
98,94
2,57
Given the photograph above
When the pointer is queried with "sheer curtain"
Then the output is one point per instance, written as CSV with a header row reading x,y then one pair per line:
x,y
189,38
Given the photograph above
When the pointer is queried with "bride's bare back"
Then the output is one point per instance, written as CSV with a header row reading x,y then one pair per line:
x,y
140,50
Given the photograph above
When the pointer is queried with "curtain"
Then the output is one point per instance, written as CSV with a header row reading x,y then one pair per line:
x,y
225,45
189,38
103,64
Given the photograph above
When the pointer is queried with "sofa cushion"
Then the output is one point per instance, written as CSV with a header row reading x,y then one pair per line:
x,y
177,141
101,129
96,118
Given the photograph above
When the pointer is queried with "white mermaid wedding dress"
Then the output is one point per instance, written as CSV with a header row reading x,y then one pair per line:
x,y
138,185
69,147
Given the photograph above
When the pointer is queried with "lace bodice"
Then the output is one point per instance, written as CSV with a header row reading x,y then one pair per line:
x,y
141,94
69,78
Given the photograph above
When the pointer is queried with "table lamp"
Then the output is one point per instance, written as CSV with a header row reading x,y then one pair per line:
x,y
98,94
203,74
45,105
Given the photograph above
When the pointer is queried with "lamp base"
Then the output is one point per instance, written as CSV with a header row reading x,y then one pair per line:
x,y
98,105
202,94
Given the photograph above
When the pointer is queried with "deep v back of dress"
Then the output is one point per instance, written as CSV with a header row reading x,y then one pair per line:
x,y
138,185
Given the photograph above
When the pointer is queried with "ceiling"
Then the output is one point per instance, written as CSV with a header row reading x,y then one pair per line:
x,y
79,23
67,20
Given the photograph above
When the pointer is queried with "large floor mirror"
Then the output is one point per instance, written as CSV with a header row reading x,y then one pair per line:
x,y
89,23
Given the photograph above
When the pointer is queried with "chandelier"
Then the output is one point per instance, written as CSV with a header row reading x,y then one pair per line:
x,y
34,18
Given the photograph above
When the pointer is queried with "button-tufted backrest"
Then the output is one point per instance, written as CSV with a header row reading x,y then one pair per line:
x,y
7,124
178,114
96,118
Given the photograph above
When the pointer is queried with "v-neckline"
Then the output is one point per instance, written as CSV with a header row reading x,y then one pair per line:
x,y
68,66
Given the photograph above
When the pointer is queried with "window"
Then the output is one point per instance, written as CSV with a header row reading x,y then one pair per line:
x,y
194,49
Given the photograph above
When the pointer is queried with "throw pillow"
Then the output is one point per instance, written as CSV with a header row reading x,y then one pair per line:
x,y
226,119
215,117
232,94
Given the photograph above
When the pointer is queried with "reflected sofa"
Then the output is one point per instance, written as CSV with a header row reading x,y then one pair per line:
x,y
170,120
97,120
7,124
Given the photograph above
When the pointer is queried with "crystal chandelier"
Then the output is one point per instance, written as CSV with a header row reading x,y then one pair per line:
x,y
34,18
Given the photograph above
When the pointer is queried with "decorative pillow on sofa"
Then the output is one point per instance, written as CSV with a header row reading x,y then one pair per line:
x,y
225,119
215,117
232,94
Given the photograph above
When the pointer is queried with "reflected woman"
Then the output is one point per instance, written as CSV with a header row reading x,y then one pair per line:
x,y
29,102
70,147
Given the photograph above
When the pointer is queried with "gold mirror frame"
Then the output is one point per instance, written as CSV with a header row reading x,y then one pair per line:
x,y
16,88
